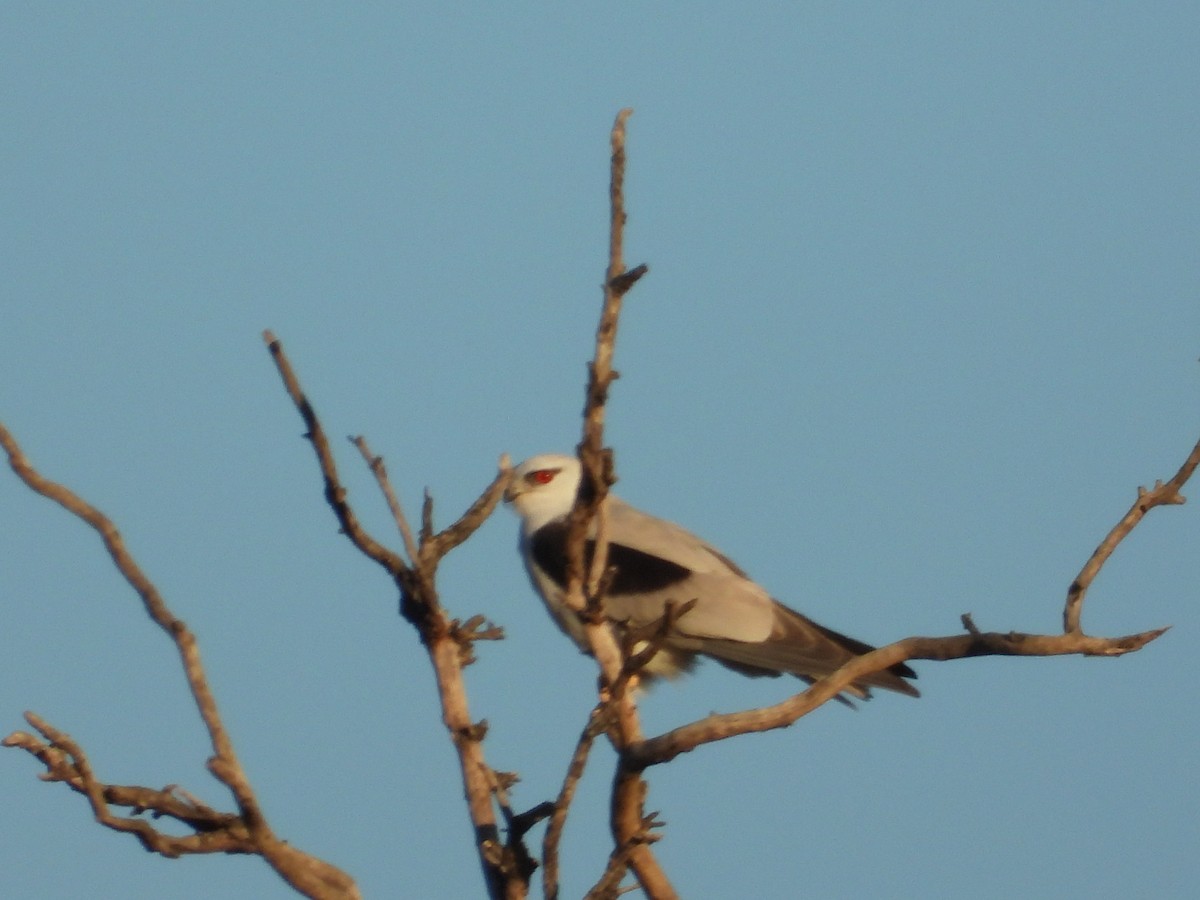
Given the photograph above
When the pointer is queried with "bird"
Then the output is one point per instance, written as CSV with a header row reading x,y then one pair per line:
x,y
717,610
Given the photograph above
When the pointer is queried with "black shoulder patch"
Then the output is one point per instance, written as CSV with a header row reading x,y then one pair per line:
x,y
637,572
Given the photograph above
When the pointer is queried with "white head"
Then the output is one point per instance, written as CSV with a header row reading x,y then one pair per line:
x,y
543,488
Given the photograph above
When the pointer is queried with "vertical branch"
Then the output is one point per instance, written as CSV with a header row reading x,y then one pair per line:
x,y
583,589
596,460
597,724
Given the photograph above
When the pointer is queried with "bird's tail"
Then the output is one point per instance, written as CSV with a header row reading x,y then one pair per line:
x,y
799,646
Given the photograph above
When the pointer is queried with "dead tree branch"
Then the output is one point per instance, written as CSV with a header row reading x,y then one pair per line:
x,y
598,722
717,727
335,494
1072,641
506,866
1160,495
585,595
583,592
247,831
379,470
505,863
65,761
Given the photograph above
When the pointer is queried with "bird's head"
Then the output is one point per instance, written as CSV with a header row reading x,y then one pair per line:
x,y
543,488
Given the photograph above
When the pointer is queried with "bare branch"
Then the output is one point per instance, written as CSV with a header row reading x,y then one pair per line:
x,y
448,642
305,873
653,636
595,459
379,470
598,722
65,761
582,588
974,643
427,517
465,634
632,828
513,857
1160,495
437,546
609,885
155,607
716,727
335,494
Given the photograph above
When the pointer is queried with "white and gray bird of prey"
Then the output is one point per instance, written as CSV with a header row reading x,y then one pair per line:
x,y
656,562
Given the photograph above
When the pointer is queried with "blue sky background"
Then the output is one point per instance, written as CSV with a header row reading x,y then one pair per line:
x,y
922,313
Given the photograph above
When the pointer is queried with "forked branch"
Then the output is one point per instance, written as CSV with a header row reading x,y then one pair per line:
x,y
584,594
1072,641
246,831
506,865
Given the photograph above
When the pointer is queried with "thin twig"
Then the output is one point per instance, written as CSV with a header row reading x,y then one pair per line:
x,y
1160,495
598,722
169,802
654,636
335,493
609,885
379,470
435,547
65,761
514,857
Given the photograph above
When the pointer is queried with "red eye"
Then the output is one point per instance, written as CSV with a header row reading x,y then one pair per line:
x,y
542,476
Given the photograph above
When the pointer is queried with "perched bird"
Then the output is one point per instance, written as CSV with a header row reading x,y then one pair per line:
x,y
655,562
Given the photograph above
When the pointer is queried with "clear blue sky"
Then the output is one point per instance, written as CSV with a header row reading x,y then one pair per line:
x,y
922,314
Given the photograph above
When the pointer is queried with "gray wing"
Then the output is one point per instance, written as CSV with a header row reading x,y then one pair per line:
x,y
732,619
727,604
